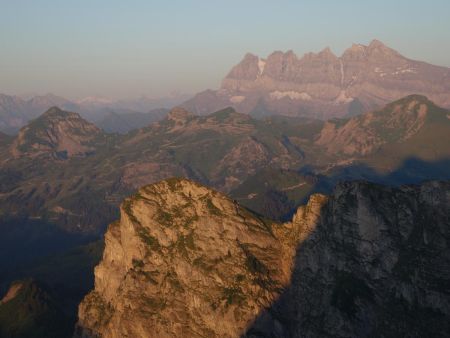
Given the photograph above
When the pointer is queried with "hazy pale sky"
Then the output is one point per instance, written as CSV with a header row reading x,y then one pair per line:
x,y
117,49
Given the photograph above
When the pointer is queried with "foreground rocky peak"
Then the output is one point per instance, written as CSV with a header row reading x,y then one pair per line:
x,y
56,133
186,261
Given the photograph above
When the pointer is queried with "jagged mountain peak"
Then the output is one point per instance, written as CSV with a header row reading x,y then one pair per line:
x,y
366,50
179,113
250,57
417,107
57,133
323,85
355,48
228,113
200,247
396,122
187,261
48,100
375,43
56,115
56,112
413,99
328,52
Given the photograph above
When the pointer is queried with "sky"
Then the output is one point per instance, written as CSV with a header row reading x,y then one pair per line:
x,y
123,49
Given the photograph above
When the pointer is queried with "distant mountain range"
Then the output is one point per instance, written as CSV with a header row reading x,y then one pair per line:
x,y
323,85
317,85
15,112
64,168
62,180
124,122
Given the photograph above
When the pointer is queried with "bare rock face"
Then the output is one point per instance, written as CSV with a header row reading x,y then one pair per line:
x,y
56,133
323,85
186,261
375,265
183,261
395,123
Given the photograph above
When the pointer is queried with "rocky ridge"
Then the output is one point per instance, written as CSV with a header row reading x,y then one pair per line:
x,y
56,133
186,261
179,238
61,168
323,85
395,123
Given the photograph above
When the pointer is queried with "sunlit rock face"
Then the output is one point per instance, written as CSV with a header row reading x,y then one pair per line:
x,y
323,85
186,261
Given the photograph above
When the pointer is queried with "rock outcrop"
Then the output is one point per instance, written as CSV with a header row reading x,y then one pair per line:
x,y
186,261
58,134
183,261
395,123
323,85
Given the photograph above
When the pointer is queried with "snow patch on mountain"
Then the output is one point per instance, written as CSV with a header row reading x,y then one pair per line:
x,y
261,65
342,98
293,95
237,99
403,71
94,100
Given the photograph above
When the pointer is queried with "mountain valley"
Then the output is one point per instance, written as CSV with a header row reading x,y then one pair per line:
x,y
63,179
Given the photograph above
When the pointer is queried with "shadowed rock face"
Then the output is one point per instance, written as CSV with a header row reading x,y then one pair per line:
x,y
29,309
323,85
375,265
186,261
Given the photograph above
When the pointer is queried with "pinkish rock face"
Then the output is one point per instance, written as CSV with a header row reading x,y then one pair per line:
x,y
323,85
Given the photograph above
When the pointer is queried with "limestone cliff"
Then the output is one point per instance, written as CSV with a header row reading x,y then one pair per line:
x,y
186,261
323,85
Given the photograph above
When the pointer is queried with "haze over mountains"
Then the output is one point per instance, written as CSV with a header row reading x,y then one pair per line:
x,y
15,112
317,85
68,170
306,197
323,85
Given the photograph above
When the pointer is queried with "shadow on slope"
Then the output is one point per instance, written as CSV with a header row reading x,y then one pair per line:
x,y
66,278
270,192
376,264
412,171
30,310
38,249
25,239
